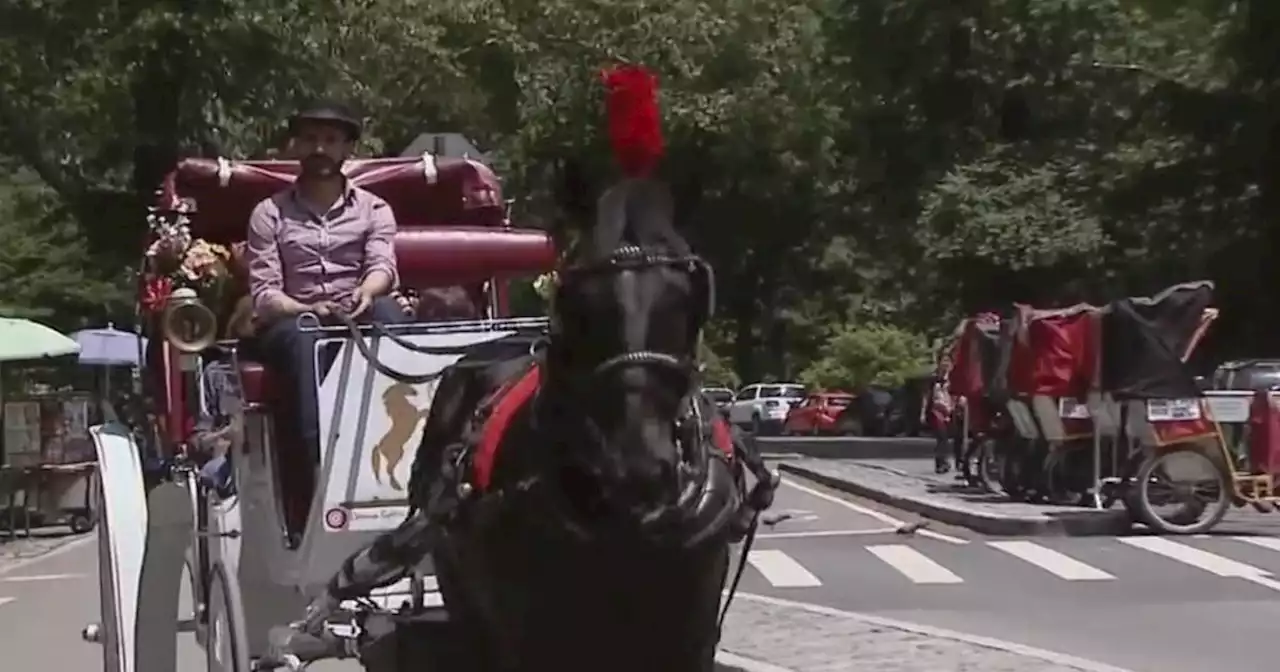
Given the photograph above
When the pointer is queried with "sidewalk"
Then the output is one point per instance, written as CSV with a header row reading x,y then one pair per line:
x,y
15,550
911,485
775,635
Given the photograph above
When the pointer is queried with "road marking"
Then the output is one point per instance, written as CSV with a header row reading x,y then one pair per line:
x,y
826,533
1052,561
6,600
913,564
872,513
1188,555
40,577
781,570
1269,543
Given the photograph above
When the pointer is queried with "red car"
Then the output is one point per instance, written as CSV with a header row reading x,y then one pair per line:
x,y
817,413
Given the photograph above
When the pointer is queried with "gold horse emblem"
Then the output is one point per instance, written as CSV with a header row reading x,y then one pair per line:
x,y
404,417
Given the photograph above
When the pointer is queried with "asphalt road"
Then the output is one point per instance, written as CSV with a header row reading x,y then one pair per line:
x,y
1141,603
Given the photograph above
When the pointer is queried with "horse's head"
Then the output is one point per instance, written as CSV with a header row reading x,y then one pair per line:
x,y
627,316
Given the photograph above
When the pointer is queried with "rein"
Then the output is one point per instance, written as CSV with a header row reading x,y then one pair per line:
x,y
412,378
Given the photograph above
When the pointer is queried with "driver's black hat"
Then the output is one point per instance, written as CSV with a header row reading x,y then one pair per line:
x,y
328,112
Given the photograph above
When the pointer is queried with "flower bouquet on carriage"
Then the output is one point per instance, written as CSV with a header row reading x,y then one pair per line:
x,y
185,281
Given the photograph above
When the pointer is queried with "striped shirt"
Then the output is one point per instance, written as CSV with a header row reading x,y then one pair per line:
x,y
314,256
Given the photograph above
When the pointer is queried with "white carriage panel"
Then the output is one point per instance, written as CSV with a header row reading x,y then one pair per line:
x,y
1229,406
121,538
379,427
259,507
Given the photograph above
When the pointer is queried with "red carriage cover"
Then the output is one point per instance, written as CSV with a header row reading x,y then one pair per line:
x,y
971,359
423,191
1264,433
1053,355
1053,352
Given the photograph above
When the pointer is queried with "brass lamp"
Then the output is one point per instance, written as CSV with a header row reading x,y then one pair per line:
x,y
187,323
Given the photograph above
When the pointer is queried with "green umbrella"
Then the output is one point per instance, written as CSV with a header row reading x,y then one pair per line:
x,y
24,339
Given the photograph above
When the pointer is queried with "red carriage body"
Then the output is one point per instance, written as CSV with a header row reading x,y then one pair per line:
x,y
973,359
1052,360
453,230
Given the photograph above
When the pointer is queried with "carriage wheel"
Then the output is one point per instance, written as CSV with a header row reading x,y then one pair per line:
x,y
227,643
1012,477
1180,491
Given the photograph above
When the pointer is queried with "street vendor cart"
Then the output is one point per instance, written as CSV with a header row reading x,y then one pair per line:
x,y
47,469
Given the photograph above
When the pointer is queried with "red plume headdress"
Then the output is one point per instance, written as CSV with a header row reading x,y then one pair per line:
x,y
635,129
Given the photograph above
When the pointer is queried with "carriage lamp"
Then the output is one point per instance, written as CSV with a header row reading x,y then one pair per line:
x,y
187,323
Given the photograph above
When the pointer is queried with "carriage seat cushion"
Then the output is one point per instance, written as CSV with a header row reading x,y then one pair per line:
x,y
256,383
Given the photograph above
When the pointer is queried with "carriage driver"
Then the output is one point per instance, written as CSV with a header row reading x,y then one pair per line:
x,y
322,246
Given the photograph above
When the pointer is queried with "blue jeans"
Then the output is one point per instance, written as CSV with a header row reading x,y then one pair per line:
x,y
286,348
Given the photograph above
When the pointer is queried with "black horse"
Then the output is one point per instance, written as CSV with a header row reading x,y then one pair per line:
x,y
579,503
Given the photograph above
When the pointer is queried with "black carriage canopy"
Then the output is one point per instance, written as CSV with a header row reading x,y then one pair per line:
x,y
1145,341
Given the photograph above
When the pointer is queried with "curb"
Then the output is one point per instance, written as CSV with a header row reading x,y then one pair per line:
x,y
1087,523
846,447
72,545
1045,655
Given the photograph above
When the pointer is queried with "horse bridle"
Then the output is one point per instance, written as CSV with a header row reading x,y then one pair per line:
x,y
634,257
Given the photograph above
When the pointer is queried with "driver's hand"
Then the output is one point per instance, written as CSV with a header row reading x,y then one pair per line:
x,y
325,308
361,299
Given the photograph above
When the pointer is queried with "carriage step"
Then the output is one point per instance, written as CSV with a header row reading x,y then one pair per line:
x,y
187,625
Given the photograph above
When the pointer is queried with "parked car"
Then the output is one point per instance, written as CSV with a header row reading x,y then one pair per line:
x,y
722,397
1248,374
764,406
816,415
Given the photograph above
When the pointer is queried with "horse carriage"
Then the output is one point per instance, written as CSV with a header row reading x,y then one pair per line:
x,y
503,493
253,553
1101,406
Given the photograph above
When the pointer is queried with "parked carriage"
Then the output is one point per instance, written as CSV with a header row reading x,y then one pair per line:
x,y
1105,409
255,549
976,421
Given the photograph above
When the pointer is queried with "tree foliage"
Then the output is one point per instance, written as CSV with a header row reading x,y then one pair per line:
x,y
868,354
901,161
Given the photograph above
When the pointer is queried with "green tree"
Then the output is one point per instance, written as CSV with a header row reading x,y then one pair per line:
x,y
715,370
868,354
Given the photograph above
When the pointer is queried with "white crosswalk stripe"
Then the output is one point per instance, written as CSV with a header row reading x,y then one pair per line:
x,y
913,564
1058,564
1190,555
928,563
781,570
1269,543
